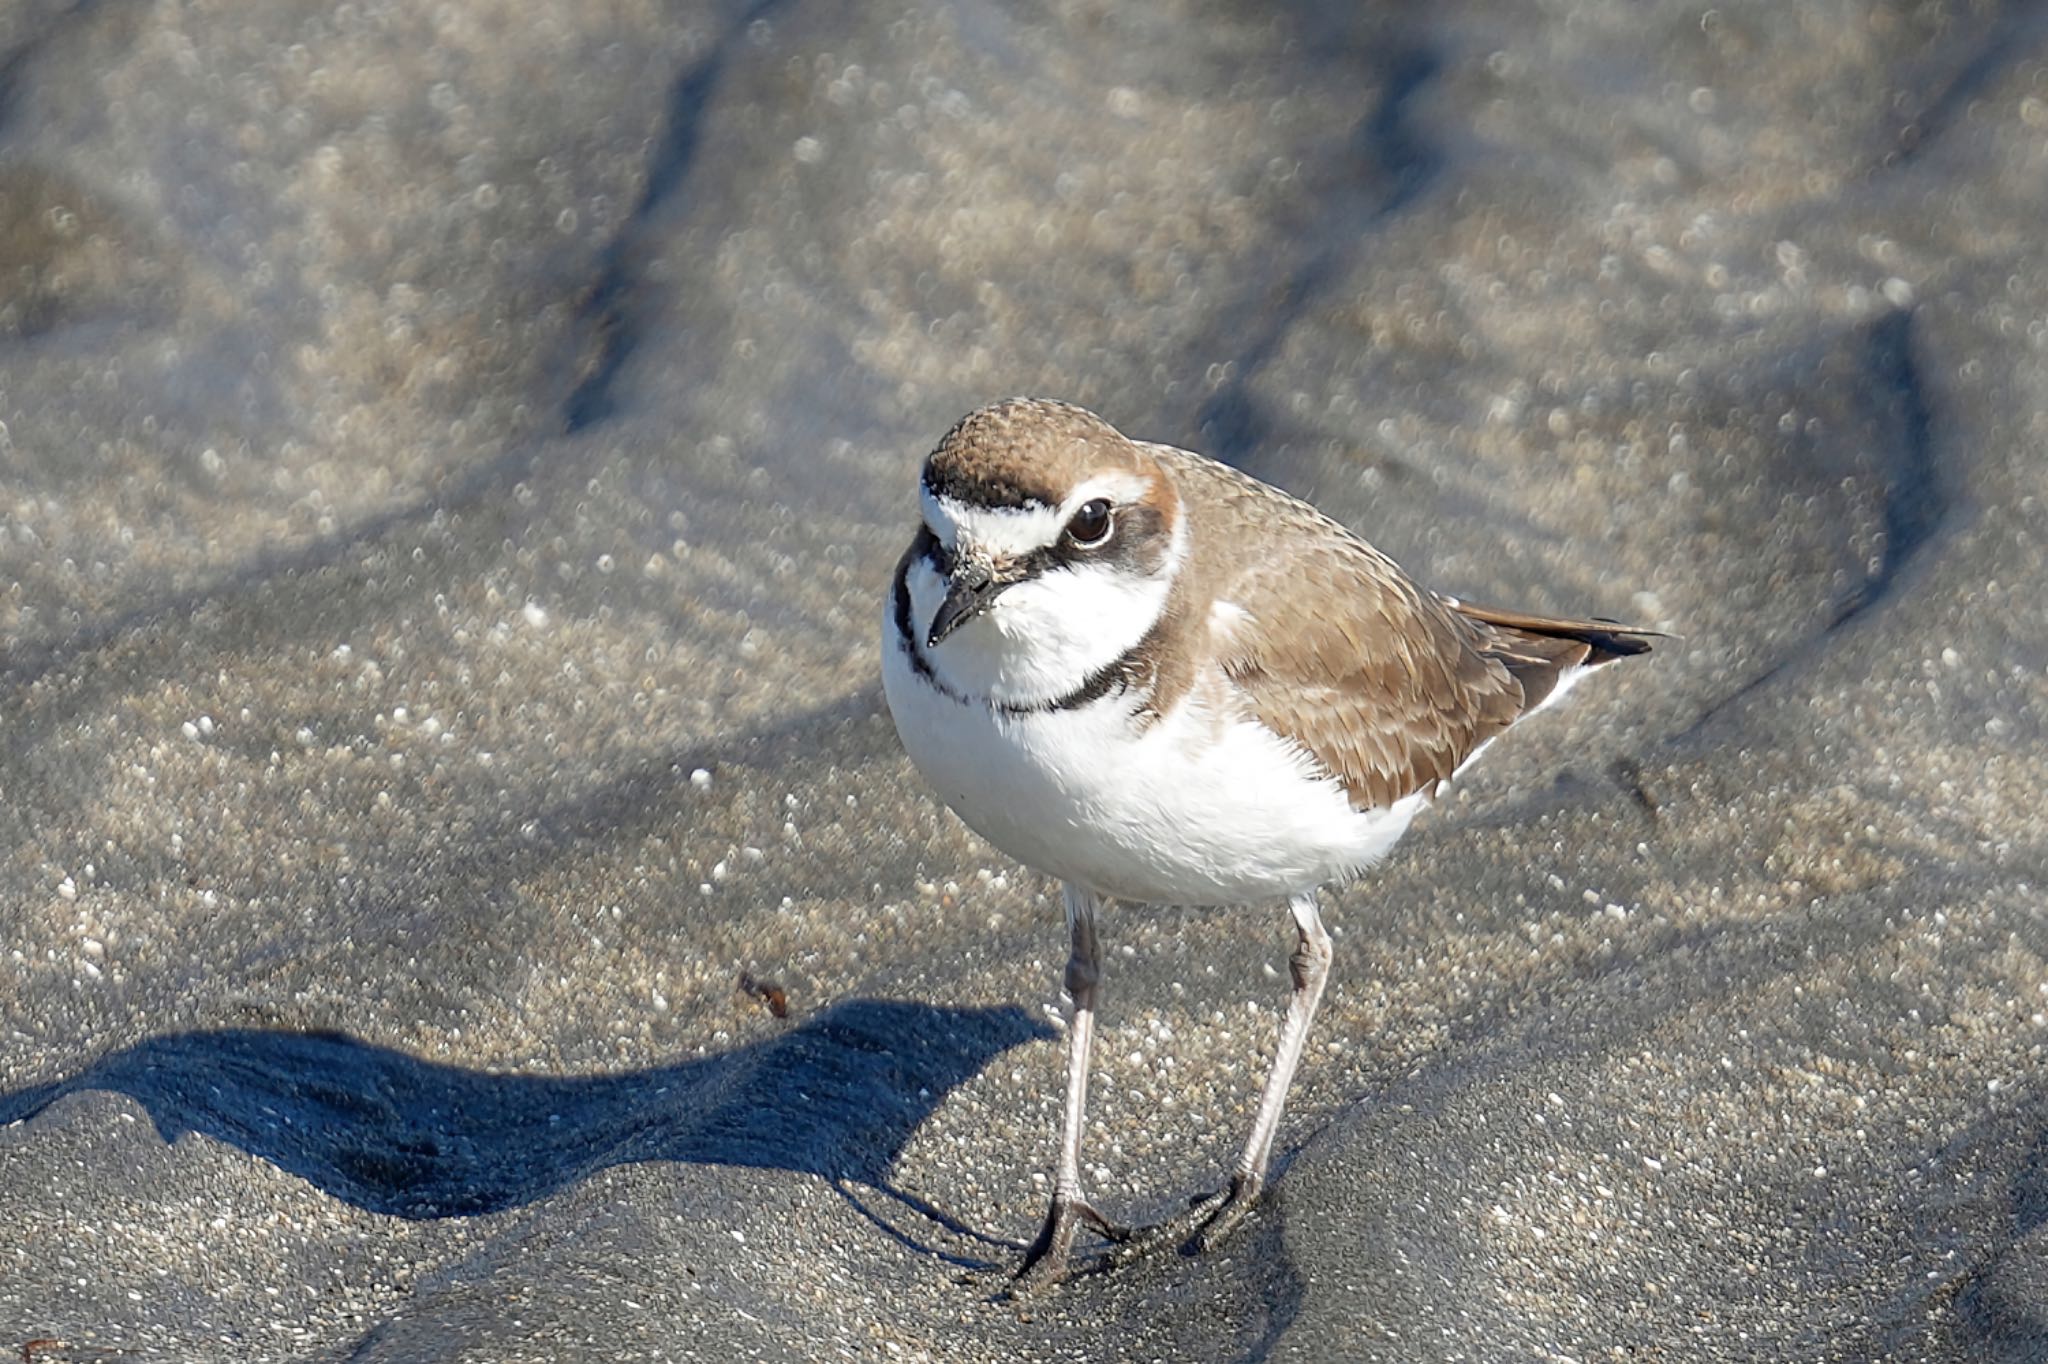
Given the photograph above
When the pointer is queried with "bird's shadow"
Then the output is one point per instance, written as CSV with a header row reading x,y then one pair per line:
x,y
836,1096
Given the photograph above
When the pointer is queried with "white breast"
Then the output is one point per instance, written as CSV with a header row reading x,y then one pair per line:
x,y
1197,808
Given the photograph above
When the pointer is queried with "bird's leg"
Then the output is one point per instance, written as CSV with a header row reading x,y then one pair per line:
x,y
1310,968
1209,1219
1046,1262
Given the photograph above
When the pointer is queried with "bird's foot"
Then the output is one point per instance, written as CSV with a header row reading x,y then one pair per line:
x,y
1236,1205
1196,1230
1050,1257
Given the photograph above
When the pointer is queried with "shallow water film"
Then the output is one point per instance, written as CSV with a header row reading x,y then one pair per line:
x,y
461,897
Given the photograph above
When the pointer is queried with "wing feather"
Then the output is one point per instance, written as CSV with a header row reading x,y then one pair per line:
x,y
1388,687
1380,683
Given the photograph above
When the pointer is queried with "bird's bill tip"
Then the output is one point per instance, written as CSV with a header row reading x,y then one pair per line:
x,y
968,594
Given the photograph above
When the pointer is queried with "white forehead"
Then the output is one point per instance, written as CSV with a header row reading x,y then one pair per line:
x,y
1010,532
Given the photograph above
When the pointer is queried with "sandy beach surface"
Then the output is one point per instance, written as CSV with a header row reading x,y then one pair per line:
x,y
462,899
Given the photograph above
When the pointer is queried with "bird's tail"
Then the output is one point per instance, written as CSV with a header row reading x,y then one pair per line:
x,y
1542,651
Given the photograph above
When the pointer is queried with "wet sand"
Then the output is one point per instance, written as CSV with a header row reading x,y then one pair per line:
x,y
451,462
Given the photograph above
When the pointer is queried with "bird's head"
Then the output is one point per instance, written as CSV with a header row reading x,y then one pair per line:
x,y
1049,547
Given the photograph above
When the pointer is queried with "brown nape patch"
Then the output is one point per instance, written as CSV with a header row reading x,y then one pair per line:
x,y
1024,452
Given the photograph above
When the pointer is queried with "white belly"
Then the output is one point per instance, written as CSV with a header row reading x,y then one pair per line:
x,y
1188,811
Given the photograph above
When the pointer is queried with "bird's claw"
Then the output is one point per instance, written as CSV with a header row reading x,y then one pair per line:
x,y
1224,1217
1048,1261
1197,1229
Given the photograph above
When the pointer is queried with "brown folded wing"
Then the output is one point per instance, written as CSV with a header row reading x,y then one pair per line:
x,y
1388,686
1385,686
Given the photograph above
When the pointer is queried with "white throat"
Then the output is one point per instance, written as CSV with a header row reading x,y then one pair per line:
x,y
1045,637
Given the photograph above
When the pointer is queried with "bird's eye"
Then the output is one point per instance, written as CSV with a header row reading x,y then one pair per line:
x,y
1092,524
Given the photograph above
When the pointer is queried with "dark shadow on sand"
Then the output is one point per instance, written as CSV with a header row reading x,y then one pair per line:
x,y
836,1096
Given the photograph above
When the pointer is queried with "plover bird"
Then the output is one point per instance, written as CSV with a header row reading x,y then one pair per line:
x,y
1165,682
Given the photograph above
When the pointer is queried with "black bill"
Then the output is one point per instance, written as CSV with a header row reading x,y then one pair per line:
x,y
971,589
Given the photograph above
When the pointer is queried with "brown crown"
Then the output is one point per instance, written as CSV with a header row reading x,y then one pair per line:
x,y
1024,452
